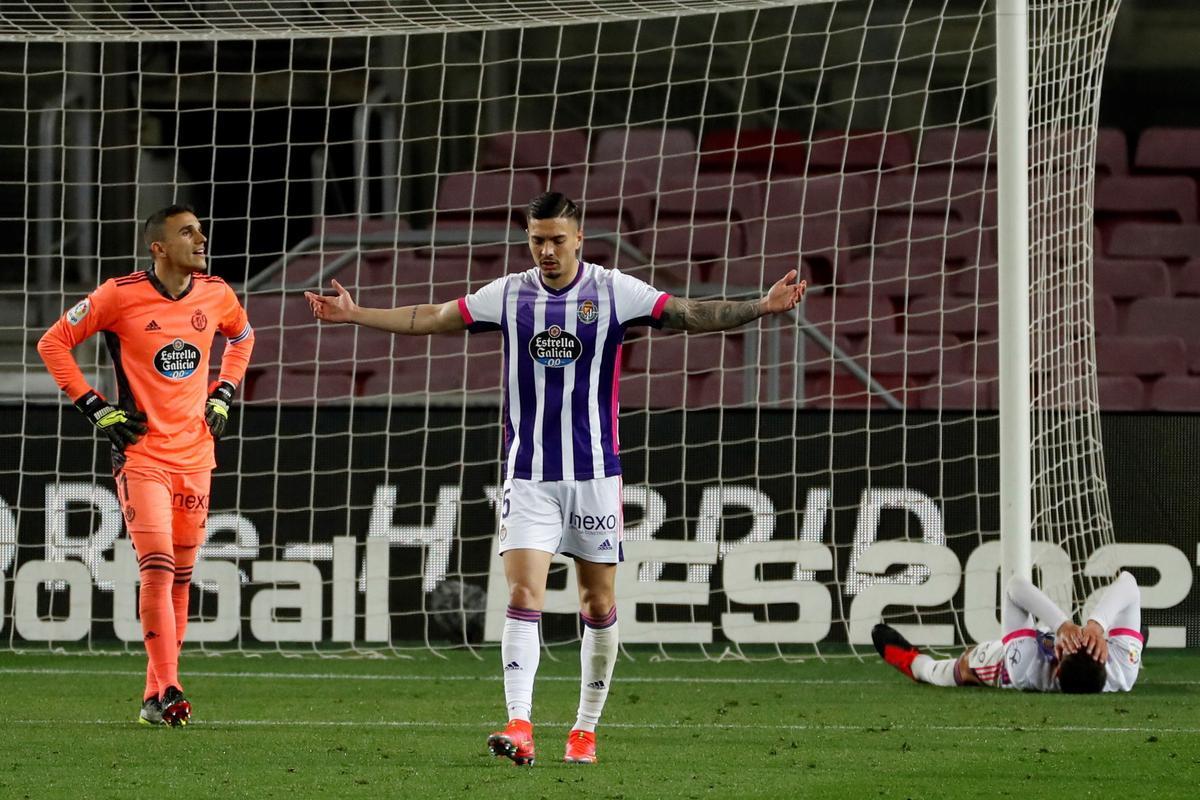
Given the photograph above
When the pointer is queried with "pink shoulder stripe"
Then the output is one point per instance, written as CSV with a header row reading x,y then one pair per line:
x,y
466,314
1020,633
1127,632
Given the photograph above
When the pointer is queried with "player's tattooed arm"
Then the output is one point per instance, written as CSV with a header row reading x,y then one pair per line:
x,y
721,315
709,315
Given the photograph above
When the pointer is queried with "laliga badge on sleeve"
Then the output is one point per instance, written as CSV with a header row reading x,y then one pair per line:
x,y
79,311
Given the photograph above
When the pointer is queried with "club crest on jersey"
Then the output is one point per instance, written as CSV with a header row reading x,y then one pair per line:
x,y
79,311
178,360
588,313
199,321
555,347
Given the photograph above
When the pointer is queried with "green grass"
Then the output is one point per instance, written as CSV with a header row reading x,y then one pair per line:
x,y
282,727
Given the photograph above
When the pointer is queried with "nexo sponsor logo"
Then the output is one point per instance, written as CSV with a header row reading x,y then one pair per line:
x,y
178,360
555,347
587,522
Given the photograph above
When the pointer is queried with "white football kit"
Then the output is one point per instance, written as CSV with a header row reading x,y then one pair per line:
x,y
1024,658
562,364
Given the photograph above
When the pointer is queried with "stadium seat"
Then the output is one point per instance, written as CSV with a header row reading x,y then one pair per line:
x,y
844,391
955,243
1187,279
1144,198
1143,356
612,199
1112,153
897,278
1166,316
665,157
823,219
1168,150
859,152
1121,393
675,370
917,355
971,150
980,281
962,392
960,196
547,153
1154,240
961,316
848,315
1104,314
1127,279
760,151
487,197
1175,393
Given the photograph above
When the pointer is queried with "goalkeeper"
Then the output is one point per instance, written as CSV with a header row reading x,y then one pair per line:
x,y
159,326
1104,655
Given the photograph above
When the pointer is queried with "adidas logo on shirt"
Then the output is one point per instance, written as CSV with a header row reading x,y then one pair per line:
x,y
511,666
153,326
605,545
596,685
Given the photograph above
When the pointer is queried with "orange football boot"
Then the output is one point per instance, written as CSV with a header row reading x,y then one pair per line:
x,y
581,747
515,742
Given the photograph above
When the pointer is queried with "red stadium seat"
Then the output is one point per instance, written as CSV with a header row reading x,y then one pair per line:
x,y
894,277
1175,393
955,243
761,151
1121,393
1145,198
959,196
966,149
1112,153
1168,150
849,315
1142,356
1126,279
612,200
1167,316
486,197
1154,240
859,152
961,316
665,158
544,152
964,392
920,355
1187,279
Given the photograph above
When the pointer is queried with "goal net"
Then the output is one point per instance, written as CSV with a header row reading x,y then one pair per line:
x,y
787,484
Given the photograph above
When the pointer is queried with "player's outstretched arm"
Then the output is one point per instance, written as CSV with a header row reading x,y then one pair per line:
x,y
699,316
415,320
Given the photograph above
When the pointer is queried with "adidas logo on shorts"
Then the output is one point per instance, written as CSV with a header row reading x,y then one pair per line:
x,y
605,545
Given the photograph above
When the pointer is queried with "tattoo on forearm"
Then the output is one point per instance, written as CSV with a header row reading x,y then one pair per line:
x,y
709,315
412,321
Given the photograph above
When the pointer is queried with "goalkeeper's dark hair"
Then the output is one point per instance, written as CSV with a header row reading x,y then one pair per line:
x,y
1079,673
152,230
553,205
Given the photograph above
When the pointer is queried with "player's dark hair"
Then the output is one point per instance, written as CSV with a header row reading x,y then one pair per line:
x,y
152,231
553,205
1079,673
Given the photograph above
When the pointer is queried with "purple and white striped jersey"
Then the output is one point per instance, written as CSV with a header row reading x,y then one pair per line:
x,y
562,361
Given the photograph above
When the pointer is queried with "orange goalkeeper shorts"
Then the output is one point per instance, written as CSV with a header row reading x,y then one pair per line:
x,y
155,501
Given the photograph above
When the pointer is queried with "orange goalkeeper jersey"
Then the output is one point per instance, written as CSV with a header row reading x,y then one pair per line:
x,y
159,347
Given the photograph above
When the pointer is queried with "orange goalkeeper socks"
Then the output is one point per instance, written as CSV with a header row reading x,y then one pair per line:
x,y
158,617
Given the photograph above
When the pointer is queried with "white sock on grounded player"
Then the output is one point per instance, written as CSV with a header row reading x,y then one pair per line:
x,y
597,657
940,672
520,651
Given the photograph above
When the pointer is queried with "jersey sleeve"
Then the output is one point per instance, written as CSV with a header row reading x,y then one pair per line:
x,y
482,310
235,326
1023,600
1120,606
637,302
94,313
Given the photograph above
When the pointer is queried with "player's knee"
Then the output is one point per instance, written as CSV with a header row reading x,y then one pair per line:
x,y
596,604
523,596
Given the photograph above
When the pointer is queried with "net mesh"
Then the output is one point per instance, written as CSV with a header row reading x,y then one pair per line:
x,y
787,485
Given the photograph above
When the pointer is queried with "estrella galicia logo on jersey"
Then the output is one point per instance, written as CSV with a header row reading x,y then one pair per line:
x,y
588,313
79,311
555,347
178,360
199,321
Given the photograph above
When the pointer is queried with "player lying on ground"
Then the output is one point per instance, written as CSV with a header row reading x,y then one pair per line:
x,y
159,326
1104,655
562,322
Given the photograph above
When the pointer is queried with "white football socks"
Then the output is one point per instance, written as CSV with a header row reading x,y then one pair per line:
x,y
938,672
520,652
597,657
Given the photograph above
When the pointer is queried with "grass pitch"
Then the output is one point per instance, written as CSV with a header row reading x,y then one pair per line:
x,y
269,726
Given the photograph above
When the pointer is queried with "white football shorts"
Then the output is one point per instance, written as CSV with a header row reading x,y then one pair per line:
x,y
580,519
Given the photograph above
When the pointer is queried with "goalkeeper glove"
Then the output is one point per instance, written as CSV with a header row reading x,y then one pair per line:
x,y
216,410
122,427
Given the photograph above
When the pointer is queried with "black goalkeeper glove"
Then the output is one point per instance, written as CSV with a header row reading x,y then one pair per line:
x,y
216,410
122,428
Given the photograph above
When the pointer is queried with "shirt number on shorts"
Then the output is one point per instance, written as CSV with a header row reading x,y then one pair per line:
x,y
505,505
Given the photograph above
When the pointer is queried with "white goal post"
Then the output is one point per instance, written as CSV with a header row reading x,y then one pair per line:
x,y
927,422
